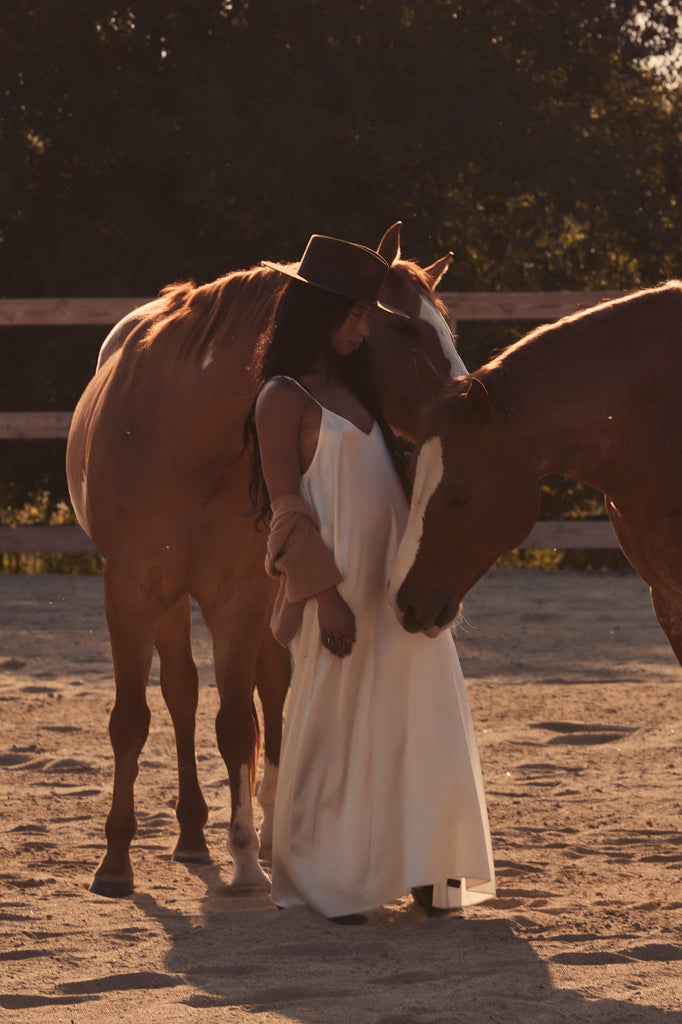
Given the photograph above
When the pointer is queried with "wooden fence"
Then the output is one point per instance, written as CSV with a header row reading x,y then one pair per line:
x,y
542,306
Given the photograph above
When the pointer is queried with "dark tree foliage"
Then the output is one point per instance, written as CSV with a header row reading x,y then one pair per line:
x,y
150,141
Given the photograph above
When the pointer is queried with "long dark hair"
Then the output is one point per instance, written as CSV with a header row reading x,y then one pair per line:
x,y
302,325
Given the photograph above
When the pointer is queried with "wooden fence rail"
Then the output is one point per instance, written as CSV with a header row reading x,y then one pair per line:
x,y
543,306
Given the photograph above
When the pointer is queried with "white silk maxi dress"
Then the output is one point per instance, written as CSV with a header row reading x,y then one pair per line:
x,y
380,786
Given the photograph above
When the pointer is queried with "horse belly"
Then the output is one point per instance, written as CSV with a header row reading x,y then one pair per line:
x,y
649,534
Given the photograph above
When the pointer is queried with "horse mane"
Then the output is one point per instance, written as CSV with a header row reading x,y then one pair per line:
x,y
575,324
502,374
193,317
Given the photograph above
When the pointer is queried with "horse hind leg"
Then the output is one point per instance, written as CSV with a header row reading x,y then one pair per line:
x,y
273,671
668,609
238,736
180,688
236,634
131,634
244,843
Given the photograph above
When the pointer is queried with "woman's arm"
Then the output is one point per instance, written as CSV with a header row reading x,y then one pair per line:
x,y
281,413
279,416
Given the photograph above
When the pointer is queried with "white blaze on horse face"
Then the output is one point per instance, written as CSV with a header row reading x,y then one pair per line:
x,y
430,315
428,475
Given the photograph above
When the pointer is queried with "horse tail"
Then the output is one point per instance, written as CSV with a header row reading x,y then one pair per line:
x,y
255,755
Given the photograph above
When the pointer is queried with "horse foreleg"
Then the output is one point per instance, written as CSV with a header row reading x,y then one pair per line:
x,y
180,688
132,648
237,733
668,608
238,741
273,671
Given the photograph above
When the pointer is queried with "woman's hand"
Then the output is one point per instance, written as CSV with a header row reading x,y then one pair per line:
x,y
336,622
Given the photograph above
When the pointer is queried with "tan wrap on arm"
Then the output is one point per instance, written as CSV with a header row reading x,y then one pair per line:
x,y
297,554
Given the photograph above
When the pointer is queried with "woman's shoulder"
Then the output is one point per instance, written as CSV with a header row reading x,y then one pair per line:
x,y
283,399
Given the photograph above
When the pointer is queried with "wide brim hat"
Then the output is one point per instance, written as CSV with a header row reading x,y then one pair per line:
x,y
343,268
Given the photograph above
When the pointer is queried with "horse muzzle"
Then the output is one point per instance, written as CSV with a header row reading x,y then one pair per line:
x,y
430,616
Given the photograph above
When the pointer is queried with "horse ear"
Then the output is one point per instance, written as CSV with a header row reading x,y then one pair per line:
x,y
428,378
438,269
477,394
389,246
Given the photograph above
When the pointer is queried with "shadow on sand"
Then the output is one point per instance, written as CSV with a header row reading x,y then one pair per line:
x,y
400,968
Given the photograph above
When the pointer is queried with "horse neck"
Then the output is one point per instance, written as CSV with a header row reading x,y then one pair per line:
x,y
570,407
234,313
199,362
220,320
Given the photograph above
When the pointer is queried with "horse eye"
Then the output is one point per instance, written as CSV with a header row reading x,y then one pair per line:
x,y
403,326
455,497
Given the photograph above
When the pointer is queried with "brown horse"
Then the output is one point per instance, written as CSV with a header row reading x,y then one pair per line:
x,y
159,480
594,396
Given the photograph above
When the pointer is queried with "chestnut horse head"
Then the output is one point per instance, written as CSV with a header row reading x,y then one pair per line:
x,y
470,501
393,341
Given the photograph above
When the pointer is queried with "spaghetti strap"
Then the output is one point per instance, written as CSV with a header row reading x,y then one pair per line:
x,y
283,376
324,408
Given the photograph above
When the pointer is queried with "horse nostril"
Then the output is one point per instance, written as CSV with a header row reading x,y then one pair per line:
x,y
409,619
407,613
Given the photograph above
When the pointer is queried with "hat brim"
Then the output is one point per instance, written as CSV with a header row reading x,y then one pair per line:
x,y
292,271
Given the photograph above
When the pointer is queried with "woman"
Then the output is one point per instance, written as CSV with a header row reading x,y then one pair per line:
x,y
380,789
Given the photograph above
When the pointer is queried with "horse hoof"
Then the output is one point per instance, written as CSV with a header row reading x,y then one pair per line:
x,y
248,874
253,889
246,882
192,856
113,888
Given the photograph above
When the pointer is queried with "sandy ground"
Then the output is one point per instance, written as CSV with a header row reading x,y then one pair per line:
x,y
578,706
